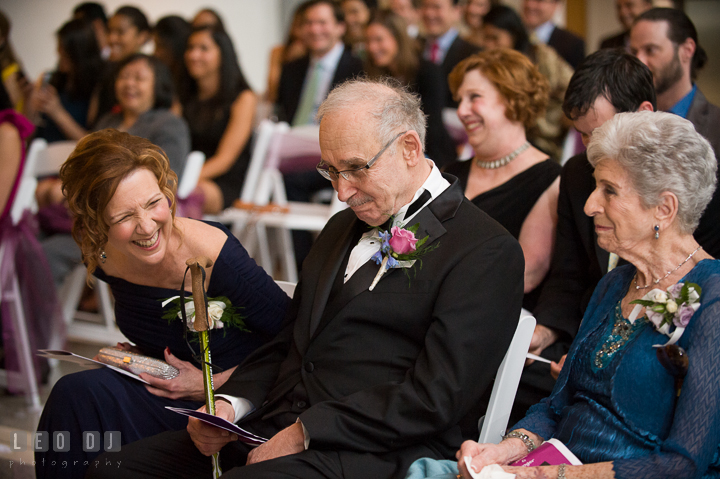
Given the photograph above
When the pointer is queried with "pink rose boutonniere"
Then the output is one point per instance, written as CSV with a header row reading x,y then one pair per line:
x,y
400,249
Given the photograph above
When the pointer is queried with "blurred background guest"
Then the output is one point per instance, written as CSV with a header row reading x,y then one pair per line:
x,y
357,14
501,94
13,78
627,12
392,53
207,17
144,90
60,101
292,49
538,17
219,107
128,32
504,29
442,44
170,35
14,130
305,82
94,14
473,12
408,9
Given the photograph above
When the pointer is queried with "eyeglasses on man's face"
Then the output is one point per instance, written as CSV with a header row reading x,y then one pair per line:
x,y
353,174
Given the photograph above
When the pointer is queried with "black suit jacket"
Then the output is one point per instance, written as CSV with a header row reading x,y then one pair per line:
x,y
568,45
459,50
384,377
706,118
578,262
293,76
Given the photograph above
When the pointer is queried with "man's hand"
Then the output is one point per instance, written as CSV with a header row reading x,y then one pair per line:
x,y
542,338
210,439
290,440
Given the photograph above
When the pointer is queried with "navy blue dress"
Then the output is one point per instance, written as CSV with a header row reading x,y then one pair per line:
x,y
102,400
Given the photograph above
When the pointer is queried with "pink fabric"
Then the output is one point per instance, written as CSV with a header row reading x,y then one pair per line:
x,y
25,129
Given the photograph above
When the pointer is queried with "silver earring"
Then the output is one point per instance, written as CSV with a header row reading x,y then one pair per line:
x,y
657,231
103,256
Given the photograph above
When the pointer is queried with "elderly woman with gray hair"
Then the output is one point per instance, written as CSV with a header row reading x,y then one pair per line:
x,y
631,402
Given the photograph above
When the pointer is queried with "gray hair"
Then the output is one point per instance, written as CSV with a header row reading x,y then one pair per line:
x,y
390,104
660,152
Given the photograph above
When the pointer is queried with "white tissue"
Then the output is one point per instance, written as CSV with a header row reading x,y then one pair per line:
x,y
493,471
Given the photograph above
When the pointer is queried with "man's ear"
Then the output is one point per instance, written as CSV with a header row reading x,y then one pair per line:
x,y
645,106
412,148
686,50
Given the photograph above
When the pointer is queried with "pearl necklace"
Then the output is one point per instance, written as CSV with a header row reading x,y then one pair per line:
x,y
491,165
656,281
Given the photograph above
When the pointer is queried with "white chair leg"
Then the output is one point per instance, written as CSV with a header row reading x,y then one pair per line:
x,y
288,255
264,256
72,291
22,340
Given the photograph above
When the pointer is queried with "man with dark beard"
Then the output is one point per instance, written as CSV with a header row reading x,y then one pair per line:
x,y
666,41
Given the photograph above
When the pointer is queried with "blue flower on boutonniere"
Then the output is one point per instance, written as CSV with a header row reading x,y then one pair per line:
x,y
399,249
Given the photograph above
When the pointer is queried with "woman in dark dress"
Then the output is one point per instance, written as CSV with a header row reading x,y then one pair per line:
x,y
501,95
121,191
219,108
391,52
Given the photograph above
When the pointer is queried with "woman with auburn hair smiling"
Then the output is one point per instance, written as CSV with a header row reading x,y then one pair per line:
x,y
121,193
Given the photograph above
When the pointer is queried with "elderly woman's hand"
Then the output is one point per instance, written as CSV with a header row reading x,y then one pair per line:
x,y
485,454
186,385
555,368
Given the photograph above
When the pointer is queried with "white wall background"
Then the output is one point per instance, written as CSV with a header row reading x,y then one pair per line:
x,y
254,25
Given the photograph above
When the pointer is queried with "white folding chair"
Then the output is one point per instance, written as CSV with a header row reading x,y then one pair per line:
x,y
191,174
276,143
10,293
495,421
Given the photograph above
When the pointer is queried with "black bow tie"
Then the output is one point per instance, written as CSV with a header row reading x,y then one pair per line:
x,y
418,203
412,209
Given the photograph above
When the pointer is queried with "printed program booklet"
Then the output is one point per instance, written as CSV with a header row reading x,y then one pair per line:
x,y
550,453
243,435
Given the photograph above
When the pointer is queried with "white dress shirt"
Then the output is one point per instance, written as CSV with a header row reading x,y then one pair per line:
x,y
370,242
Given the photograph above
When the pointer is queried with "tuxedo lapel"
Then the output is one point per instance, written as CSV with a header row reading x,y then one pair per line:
x,y
430,221
328,272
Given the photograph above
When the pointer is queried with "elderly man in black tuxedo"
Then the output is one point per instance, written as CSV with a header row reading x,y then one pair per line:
x,y
362,381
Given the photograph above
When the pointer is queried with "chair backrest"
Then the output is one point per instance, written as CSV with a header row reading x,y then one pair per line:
x,y
506,382
191,174
45,158
263,137
287,286
24,199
